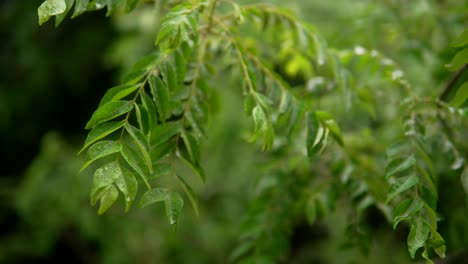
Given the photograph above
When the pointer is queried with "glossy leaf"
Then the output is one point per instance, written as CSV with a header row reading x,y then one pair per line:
x,y
406,209
262,100
142,118
180,65
160,94
59,18
108,199
147,62
153,196
109,111
400,185
399,165
417,237
161,169
170,76
101,131
130,5
128,185
249,104
460,59
151,111
191,153
397,149
462,40
134,77
174,204
141,143
164,132
118,92
162,150
80,7
137,162
101,149
190,194
50,8
461,95
330,123
314,134
106,175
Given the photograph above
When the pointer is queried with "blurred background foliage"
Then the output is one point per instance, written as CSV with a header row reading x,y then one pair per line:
x,y
52,80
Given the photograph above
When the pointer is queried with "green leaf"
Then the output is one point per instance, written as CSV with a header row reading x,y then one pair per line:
x,y
190,194
101,149
331,124
161,169
164,132
153,196
249,104
193,149
260,119
118,92
148,62
406,209
397,149
108,199
141,143
160,94
128,185
417,237
399,165
80,7
180,65
314,133
400,185
97,194
134,77
59,18
462,40
162,150
262,100
136,161
174,204
50,8
142,118
295,115
103,177
106,175
460,59
109,111
101,131
461,95
148,104
170,76
464,180
130,5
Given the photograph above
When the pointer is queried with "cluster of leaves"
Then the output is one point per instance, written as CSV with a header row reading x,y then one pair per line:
x,y
157,115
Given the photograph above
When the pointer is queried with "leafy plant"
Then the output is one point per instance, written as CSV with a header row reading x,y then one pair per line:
x,y
156,118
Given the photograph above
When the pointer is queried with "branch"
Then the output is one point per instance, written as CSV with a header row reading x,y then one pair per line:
x,y
451,84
